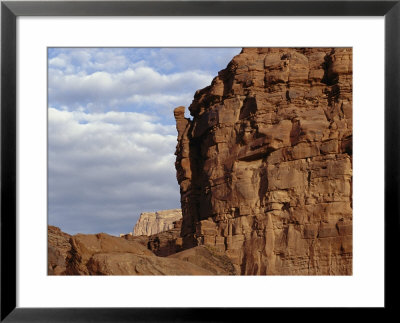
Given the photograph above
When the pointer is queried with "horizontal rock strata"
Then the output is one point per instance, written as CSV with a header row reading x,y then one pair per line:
x,y
265,165
150,223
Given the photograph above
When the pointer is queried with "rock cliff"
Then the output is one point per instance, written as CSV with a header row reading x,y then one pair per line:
x,y
151,223
57,249
265,165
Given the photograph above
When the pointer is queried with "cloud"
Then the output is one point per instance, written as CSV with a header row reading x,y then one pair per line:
x,y
137,87
98,79
111,131
175,59
87,60
184,59
107,168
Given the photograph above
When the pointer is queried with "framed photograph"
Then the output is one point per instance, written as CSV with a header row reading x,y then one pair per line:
x,y
199,151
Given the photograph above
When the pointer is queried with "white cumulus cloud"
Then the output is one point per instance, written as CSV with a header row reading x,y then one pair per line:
x,y
111,131
142,86
108,167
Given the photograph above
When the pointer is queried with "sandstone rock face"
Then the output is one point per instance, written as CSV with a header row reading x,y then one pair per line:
x,y
265,166
168,242
151,223
131,264
58,246
208,258
85,246
164,243
102,254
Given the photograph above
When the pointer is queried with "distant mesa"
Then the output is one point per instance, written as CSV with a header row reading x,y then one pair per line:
x,y
150,223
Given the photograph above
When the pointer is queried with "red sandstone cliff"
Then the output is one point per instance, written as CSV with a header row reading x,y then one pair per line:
x,y
265,166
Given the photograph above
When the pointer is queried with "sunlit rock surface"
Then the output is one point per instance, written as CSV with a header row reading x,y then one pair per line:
x,y
265,164
154,222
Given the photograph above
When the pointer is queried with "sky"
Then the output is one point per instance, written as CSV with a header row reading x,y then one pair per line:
x,y
112,134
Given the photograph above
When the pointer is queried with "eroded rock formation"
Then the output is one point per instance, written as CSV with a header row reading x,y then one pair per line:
x,y
151,223
265,166
57,248
164,243
209,258
102,254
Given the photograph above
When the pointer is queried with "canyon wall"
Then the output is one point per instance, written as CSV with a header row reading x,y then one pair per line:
x,y
150,223
265,165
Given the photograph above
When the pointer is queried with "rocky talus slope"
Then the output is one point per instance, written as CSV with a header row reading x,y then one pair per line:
x,y
265,165
150,223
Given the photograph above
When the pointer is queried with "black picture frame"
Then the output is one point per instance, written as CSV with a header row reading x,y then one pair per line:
x,y
10,10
